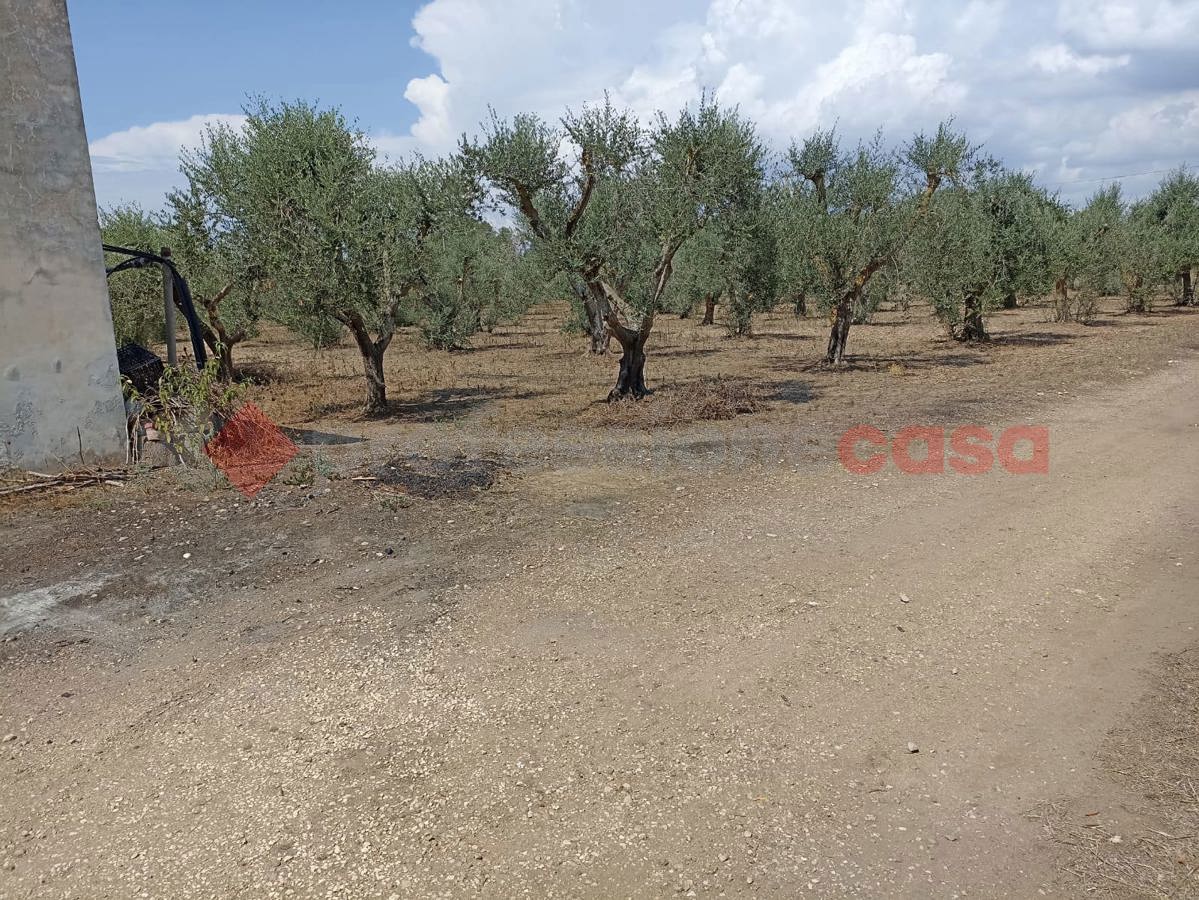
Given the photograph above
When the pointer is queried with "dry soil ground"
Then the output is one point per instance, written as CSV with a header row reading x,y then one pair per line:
x,y
702,661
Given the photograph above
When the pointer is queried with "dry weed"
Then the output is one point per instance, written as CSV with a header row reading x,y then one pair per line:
x,y
1154,756
704,400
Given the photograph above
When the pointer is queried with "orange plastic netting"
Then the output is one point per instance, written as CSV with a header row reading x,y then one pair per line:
x,y
250,449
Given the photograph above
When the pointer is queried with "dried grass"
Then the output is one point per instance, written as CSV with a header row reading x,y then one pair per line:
x,y
704,400
1155,756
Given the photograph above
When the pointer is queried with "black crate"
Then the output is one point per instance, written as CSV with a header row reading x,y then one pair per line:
x,y
141,367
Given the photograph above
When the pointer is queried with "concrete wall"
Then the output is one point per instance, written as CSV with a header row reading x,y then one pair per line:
x,y
58,365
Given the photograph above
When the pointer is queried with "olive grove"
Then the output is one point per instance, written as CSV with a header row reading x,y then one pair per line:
x,y
292,218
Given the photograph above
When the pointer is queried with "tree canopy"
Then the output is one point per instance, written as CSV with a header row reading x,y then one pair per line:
x,y
291,217
614,213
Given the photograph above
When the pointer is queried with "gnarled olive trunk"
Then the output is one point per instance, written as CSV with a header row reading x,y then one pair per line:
x,y
1188,290
1061,300
372,363
847,308
376,386
630,381
217,336
973,327
222,348
839,333
595,305
709,309
224,353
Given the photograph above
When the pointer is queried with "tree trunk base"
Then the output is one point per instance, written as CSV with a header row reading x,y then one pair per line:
x,y
631,379
630,382
839,333
376,385
973,328
973,334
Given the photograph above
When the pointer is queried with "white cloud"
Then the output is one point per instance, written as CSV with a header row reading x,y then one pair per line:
x,y
1131,24
1058,59
1067,88
1156,133
154,146
431,95
141,163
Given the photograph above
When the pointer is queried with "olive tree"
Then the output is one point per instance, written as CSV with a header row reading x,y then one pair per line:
x,y
851,213
794,269
1173,208
545,177
476,279
1139,253
732,262
698,278
979,245
211,252
1016,208
612,204
339,239
1081,253
296,181
135,294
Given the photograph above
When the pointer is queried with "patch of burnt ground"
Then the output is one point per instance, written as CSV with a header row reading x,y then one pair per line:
x,y
438,478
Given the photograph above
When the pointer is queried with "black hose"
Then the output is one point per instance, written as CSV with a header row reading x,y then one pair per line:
x,y
183,294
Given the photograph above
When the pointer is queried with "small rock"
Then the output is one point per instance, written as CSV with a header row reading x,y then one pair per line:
x,y
912,748
8,738
904,598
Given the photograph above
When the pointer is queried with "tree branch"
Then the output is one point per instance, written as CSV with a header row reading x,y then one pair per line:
x,y
585,197
525,197
664,268
221,294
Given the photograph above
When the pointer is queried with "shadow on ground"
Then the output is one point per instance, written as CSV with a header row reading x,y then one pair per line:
x,y
445,405
790,391
310,437
1032,339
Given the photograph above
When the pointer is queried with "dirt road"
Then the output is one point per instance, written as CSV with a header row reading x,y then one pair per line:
x,y
774,680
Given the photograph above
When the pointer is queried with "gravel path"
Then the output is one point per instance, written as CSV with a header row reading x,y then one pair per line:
x,y
776,682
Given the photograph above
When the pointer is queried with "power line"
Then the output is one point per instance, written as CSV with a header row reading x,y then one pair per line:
x,y
1114,177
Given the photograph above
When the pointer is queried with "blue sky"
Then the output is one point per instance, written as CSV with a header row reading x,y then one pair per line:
x,y
1076,91
157,61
